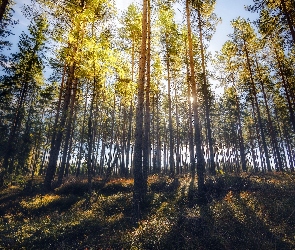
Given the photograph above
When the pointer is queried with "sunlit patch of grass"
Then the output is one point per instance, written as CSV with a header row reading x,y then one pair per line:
x,y
117,185
193,212
121,181
152,231
39,201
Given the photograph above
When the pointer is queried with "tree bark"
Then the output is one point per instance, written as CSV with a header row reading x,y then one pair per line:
x,y
138,192
198,141
147,120
205,88
68,134
170,127
54,152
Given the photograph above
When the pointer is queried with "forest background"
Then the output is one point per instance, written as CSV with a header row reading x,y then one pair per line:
x,y
96,94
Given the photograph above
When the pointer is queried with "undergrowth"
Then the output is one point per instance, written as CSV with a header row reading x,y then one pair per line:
x,y
238,212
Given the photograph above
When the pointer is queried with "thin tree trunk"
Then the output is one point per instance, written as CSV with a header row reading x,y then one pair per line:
x,y
82,135
68,134
90,137
147,120
129,135
258,110
240,135
206,98
190,121
279,165
159,144
54,152
171,139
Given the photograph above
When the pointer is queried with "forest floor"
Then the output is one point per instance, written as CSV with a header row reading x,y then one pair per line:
x,y
239,212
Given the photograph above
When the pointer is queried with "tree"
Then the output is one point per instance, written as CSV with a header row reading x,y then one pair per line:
x,y
245,36
138,193
24,76
197,138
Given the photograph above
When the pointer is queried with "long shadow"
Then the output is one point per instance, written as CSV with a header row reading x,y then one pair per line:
x,y
226,230
192,232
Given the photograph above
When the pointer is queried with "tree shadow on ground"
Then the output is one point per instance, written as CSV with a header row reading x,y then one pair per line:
x,y
237,213
227,220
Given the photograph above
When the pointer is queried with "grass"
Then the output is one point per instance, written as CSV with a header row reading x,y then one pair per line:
x,y
238,212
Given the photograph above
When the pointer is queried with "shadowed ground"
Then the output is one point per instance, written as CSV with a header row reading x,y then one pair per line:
x,y
238,212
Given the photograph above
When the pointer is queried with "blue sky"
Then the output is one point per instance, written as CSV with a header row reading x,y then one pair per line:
x,y
229,10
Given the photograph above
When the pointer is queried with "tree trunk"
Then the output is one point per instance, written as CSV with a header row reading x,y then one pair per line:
x,y
198,141
171,139
54,152
190,121
254,93
159,144
90,136
68,134
279,165
138,192
240,136
79,156
205,88
147,120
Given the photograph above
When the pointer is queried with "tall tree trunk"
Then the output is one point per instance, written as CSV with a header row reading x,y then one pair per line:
x,y
129,134
123,169
177,136
206,97
159,144
138,192
147,120
54,152
240,134
130,117
279,165
90,136
190,121
69,155
171,139
79,156
257,136
68,134
198,141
